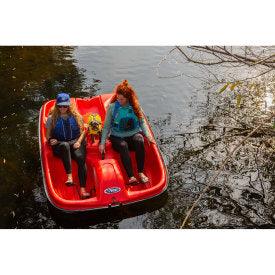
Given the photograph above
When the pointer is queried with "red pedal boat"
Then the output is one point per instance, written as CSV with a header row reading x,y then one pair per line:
x,y
106,179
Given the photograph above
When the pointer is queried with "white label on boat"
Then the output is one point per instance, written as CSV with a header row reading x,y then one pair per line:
x,y
112,190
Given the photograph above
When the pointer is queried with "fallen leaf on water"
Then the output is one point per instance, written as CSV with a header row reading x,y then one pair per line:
x,y
239,98
233,85
224,87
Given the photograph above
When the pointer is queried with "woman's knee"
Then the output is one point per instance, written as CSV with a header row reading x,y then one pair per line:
x,y
138,139
123,146
64,146
80,159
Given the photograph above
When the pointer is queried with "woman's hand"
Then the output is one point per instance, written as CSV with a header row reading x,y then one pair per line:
x,y
101,148
76,145
53,141
151,140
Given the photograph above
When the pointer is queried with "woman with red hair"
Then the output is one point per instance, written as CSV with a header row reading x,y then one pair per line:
x,y
125,123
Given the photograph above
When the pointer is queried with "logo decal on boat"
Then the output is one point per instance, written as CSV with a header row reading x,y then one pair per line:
x,y
112,190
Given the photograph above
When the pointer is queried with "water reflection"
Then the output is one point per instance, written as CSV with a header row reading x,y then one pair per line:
x,y
29,76
243,196
193,149
107,218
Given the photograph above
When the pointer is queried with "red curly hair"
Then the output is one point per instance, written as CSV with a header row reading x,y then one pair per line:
x,y
128,92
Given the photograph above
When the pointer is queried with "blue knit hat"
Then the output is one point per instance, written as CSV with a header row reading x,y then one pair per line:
x,y
63,99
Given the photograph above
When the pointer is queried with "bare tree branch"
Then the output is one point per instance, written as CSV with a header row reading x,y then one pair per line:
x,y
240,58
222,56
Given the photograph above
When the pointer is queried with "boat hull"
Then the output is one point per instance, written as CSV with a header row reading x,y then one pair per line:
x,y
106,179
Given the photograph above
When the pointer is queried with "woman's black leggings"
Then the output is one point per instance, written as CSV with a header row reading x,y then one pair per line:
x,y
66,152
123,145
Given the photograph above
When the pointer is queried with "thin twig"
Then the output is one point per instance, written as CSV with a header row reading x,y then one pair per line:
x,y
236,57
198,62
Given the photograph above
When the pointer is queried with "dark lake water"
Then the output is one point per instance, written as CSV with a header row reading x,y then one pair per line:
x,y
182,111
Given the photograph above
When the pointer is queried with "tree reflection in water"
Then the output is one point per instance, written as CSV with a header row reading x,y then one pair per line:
x,y
29,76
243,196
